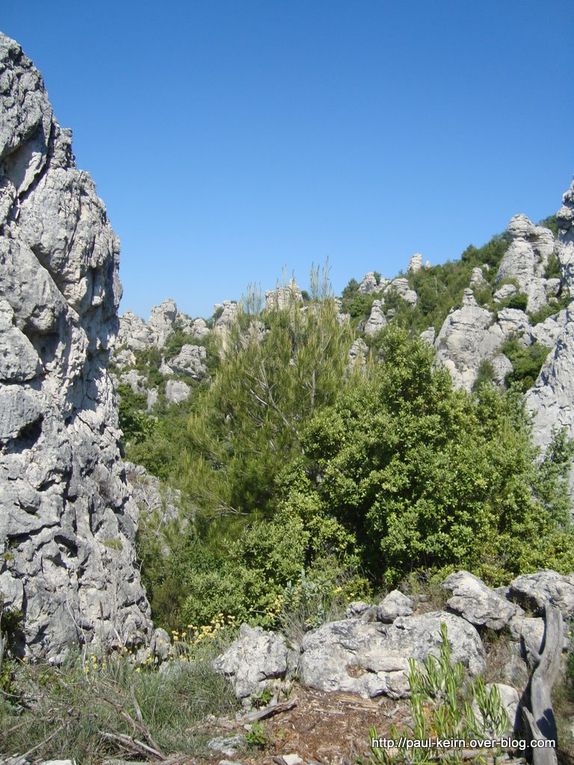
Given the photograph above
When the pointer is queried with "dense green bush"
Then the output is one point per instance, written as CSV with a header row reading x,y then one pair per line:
x,y
305,483
427,477
526,361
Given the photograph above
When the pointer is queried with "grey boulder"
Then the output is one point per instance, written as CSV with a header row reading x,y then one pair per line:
x,y
393,605
543,587
372,659
478,604
253,660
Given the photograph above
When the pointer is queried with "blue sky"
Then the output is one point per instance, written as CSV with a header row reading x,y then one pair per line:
x,y
233,140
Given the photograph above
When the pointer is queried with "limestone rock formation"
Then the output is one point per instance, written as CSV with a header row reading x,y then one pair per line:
x,y
283,297
137,335
376,320
253,660
526,259
67,521
401,287
358,353
395,604
371,283
415,263
177,391
476,603
371,659
536,590
550,400
477,278
468,337
190,361
565,219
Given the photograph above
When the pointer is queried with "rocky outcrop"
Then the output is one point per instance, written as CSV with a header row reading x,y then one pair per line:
x,y
67,520
177,391
478,604
371,283
253,660
544,588
190,361
550,400
283,297
137,335
565,220
369,652
527,258
415,263
376,320
393,605
401,287
372,659
477,279
468,337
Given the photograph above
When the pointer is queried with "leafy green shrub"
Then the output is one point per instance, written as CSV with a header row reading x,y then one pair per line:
x,y
553,268
551,223
526,361
135,423
356,303
551,308
485,374
518,301
426,477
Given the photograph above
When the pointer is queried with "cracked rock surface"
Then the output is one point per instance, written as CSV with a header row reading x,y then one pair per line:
x,y
67,519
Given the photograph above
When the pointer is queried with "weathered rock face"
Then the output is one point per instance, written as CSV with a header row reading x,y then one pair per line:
x,y
415,263
283,297
478,604
550,400
372,659
468,337
526,259
136,334
254,659
67,521
376,320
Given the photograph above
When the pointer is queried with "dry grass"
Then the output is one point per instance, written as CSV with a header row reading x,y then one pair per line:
x,y
95,709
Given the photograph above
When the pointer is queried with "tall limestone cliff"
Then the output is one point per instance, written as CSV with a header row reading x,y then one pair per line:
x,y
551,400
67,519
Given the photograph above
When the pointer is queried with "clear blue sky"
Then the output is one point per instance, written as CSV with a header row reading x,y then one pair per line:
x,y
231,139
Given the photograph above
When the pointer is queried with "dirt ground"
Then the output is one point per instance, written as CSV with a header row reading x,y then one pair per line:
x,y
325,728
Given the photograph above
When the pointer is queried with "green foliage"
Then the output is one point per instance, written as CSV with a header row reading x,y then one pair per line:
x,y
444,706
440,288
163,438
135,423
427,477
246,425
485,374
551,308
304,484
356,303
526,361
553,269
518,301
551,223
256,737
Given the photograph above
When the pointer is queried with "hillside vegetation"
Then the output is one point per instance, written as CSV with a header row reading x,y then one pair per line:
x,y
307,479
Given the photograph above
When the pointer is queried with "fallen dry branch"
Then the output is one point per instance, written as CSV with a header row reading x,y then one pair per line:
x,y
271,711
134,746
